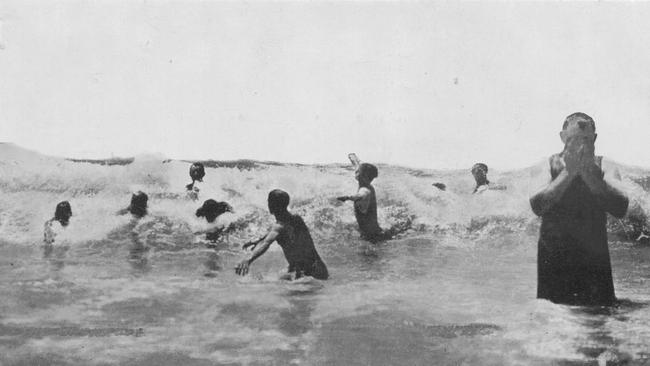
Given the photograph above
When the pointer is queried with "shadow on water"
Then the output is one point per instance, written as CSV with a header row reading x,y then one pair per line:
x,y
212,264
371,258
296,319
396,338
600,345
55,255
138,255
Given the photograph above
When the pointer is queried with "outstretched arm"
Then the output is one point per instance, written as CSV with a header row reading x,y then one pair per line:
x,y
354,160
361,199
253,243
242,267
353,197
609,198
212,228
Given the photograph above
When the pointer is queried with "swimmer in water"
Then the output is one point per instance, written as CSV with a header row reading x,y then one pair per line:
x,y
365,202
573,264
58,223
479,171
211,210
365,205
138,206
197,172
293,236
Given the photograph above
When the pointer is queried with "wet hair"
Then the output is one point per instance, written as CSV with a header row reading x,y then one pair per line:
x,y
197,172
368,170
212,209
138,206
278,201
582,119
480,166
63,212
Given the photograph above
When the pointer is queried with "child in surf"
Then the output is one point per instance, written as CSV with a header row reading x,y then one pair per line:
x,y
365,204
211,210
57,224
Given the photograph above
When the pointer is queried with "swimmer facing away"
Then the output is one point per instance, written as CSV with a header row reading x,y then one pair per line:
x,y
365,204
138,206
573,264
293,236
58,223
211,210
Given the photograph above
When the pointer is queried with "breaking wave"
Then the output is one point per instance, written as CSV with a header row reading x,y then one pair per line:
x,y
31,185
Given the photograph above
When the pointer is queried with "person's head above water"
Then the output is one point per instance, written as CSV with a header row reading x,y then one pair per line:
x,y
63,212
278,201
197,172
580,127
479,171
365,173
211,209
138,206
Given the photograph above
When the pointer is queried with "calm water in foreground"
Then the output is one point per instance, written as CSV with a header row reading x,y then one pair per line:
x,y
415,301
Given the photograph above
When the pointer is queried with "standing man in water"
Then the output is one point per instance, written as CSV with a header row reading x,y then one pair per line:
x,y
573,264
293,236
365,202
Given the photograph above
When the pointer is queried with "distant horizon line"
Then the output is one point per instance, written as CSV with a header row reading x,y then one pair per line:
x,y
125,160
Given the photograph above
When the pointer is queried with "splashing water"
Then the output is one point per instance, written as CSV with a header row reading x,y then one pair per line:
x,y
457,288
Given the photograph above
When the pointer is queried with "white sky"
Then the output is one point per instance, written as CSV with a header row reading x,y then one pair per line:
x,y
436,85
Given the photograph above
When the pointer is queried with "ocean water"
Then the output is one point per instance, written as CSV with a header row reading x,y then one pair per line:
x,y
457,289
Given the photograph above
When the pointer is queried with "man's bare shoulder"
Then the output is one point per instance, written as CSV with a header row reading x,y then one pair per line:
x,y
278,227
364,191
610,168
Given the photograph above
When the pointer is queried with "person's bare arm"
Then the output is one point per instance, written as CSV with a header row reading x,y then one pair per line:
x,y
609,197
215,227
497,187
361,199
261,248
363,193
253,243
123,211
552,192
354,160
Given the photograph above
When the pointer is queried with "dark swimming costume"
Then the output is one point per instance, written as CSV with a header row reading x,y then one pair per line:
x,y
573,264
299,249
316,269
367,221
214,235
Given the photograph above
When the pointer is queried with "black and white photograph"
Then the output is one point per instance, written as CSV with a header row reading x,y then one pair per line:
x,y
354,183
